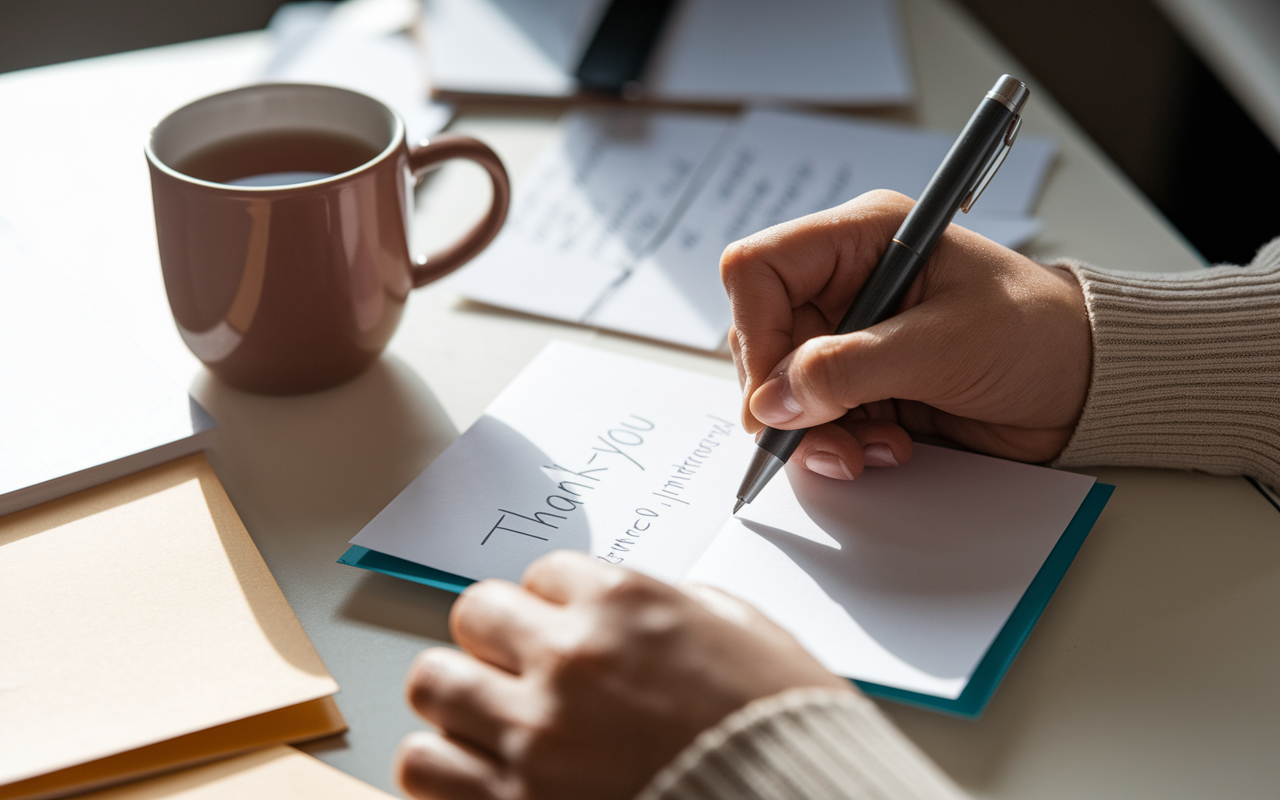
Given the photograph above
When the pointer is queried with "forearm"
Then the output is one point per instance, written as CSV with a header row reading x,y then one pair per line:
x,y
803,744
1186,370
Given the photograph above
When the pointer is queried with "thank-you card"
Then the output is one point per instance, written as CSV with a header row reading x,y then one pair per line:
x,y
919,581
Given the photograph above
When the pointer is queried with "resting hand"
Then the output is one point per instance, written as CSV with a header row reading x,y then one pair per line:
x,y
585,681
989,349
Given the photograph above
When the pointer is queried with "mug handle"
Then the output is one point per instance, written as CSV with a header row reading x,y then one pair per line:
x,y
426,157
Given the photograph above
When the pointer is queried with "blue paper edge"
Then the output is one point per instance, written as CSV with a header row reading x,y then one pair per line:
x,y
1008,643
364,558
986,677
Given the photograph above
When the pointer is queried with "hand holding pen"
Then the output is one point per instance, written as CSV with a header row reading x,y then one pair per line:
x,y
969,339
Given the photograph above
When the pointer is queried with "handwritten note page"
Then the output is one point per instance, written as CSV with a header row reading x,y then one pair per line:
x,y
623,224
781,165
632,461
905,576
591,206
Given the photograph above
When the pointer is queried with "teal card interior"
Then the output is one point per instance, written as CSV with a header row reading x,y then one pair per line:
x,y
982,685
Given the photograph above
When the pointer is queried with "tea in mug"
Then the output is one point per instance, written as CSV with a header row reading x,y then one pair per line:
x,y
277,158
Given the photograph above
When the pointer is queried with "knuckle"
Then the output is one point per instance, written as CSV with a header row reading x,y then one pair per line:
x,y
734,256
560,559
429,676
885,201
631,589
818,371
886,197
413,765
472,604
741,258
733,262
583,659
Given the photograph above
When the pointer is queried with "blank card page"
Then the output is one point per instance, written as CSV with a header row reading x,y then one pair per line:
x,y
904,576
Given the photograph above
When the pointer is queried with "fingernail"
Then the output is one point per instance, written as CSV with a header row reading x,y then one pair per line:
x,y
832,466
773,403
879,455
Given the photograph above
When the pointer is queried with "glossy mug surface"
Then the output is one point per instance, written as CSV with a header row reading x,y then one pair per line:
x,y
282,216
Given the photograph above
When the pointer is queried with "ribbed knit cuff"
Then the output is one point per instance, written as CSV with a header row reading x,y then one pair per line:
x,y
802,744
1186,369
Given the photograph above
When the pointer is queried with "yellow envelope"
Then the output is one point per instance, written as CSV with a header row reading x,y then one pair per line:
x,y
140,630
280,773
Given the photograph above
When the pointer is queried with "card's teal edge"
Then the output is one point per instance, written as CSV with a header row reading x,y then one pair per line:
x,y
971,702
364,558
1008,643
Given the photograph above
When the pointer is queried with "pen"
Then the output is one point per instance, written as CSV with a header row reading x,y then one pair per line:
x,y
964,173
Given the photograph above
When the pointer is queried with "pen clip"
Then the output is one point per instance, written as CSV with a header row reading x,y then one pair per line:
x,y
1010,135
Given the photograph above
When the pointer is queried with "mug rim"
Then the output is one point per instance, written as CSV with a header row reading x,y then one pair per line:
x,y
398,136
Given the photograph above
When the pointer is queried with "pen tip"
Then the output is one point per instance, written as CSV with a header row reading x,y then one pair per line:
x,y
738,506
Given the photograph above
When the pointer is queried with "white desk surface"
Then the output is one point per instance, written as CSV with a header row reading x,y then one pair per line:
x,y
1152,673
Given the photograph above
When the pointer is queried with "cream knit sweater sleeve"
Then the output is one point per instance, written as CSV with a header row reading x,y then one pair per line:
x,y
1186,374
1186,370
803,744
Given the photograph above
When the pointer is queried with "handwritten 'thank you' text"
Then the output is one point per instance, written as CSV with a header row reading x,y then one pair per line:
x,y
572,493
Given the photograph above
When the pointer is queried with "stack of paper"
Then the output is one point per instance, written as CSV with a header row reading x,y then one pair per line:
x,y
278,773
142,631
622,224
920,581
80,404
833,52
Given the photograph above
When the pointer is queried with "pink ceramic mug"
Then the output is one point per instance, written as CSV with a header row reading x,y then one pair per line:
x,y
292,276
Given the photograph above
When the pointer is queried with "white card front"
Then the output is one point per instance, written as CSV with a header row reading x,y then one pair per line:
x,y
634,462
905,576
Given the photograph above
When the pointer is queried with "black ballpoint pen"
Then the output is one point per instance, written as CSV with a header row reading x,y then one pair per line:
x,y
964,173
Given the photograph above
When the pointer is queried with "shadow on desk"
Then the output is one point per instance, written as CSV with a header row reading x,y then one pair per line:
x,y
307,472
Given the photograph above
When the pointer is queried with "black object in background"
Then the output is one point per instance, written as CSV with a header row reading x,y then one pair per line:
x,y
38,32
1170,125
1225,182
622,44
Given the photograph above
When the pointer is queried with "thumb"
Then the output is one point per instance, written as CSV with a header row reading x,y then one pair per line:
x,y
826,376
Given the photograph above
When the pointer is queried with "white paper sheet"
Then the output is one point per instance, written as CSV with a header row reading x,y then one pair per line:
x,y
902,577
80,403
586,450
834,52
621,225
515,47
838,52
589,208
358,45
